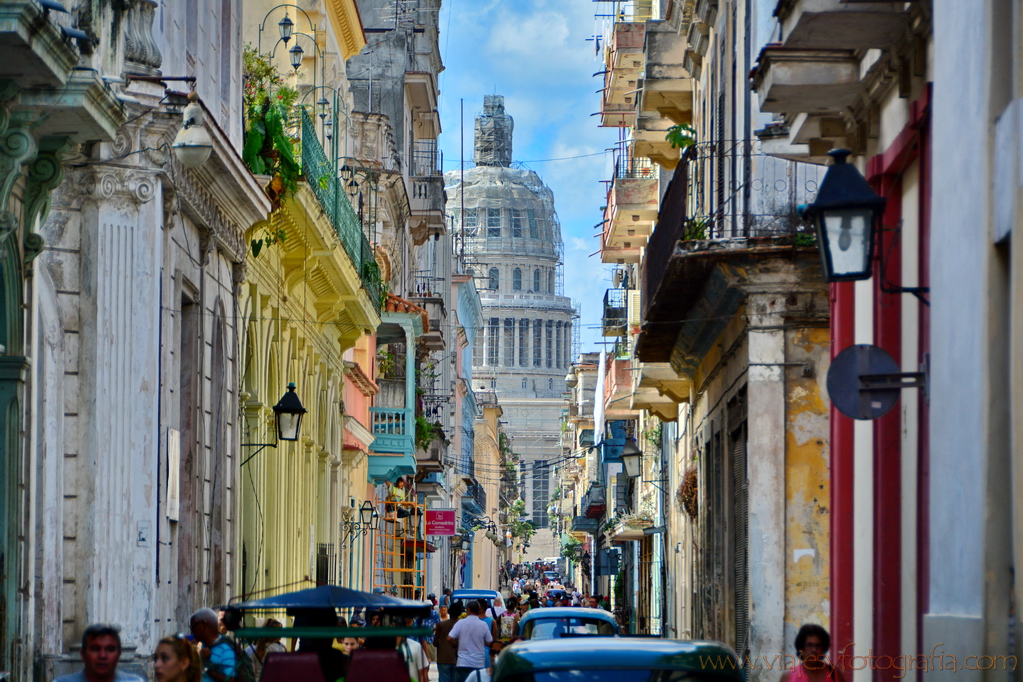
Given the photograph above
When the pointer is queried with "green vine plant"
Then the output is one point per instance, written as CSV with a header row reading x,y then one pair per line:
x,y
681,136
653,434
426,432
695,228
269,238
572,549
269,106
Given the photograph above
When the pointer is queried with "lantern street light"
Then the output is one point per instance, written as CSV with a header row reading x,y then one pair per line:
x,y
632,458
844,215
297,54
192,145
286,26
289,413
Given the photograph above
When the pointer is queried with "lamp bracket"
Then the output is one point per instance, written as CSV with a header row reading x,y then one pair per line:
x,y
252,445
657,484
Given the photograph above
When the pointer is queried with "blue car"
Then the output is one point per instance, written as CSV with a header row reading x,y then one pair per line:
x,y
617,659
567,621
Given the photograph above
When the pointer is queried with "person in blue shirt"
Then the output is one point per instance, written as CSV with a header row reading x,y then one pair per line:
x,y
218,654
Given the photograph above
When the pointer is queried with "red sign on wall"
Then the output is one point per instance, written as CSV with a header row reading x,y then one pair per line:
x,y
440,522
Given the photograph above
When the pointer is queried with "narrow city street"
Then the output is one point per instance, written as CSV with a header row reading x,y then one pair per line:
x,y
511,341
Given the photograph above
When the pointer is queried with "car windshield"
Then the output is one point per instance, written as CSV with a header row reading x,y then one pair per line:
x,y
607,675
553,628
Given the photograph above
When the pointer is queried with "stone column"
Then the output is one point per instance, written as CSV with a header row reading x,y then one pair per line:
x,y
766,474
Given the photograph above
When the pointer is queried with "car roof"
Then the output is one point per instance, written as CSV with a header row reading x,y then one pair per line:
x,y
475,594
567,612
530,656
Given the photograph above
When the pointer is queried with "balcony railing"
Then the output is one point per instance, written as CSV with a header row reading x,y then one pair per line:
x,y
427,159
737,191
475,499
321,176
629,168
615,312
594,502
393,430
581,524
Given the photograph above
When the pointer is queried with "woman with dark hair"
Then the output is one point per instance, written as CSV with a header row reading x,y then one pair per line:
x,y
812,645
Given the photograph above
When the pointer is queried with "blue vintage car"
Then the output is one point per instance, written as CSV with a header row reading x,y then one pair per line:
x,y
617,659
566,621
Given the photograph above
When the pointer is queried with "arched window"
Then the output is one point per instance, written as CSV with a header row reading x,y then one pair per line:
x,y
517,280
536,281
525,382
495,279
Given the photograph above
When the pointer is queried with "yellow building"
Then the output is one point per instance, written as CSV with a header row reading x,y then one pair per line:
x,y
307,301
483,497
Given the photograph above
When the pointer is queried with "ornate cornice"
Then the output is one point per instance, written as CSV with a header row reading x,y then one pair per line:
x,y
347,25
201,207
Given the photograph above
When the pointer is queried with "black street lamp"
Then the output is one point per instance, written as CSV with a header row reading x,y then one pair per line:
x,y
844,214
297,54
286,26
632,458
368,515
289,413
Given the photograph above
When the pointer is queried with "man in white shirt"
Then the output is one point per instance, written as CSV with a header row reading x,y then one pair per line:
x,y
497,610
471,636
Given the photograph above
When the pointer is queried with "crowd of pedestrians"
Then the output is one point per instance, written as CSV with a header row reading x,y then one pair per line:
x,y
466,638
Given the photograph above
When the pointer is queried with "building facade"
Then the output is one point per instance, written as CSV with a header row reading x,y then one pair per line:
x,y
719,321
512,243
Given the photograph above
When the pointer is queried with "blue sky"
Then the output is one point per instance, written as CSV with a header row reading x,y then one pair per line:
x,y
535,53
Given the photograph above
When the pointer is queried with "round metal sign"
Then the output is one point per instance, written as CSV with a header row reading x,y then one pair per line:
x,y
853,382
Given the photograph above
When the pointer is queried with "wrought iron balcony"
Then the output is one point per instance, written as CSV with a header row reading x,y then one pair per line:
x,y
474,500
615,312
594,502
582,524
321,175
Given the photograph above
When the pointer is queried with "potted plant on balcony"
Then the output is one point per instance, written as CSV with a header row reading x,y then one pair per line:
x,y
642,518
269,105
681,136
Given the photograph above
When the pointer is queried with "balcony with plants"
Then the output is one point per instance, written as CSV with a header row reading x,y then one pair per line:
x,y
310,212
710,218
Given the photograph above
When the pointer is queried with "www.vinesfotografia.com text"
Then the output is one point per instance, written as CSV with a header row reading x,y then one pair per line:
x,y
938,659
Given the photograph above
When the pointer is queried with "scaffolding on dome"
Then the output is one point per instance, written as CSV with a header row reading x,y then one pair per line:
x,y
493,136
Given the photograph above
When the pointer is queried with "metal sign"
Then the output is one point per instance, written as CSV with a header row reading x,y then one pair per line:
x,y
441,522
864,382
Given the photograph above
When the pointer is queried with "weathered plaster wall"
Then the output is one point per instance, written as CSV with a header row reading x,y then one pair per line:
x,y
807,483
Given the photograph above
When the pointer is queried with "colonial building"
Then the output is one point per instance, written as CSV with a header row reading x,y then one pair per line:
x,y
719,316
122,283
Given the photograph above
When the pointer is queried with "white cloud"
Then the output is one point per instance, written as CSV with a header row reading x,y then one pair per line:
x,y
535,54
